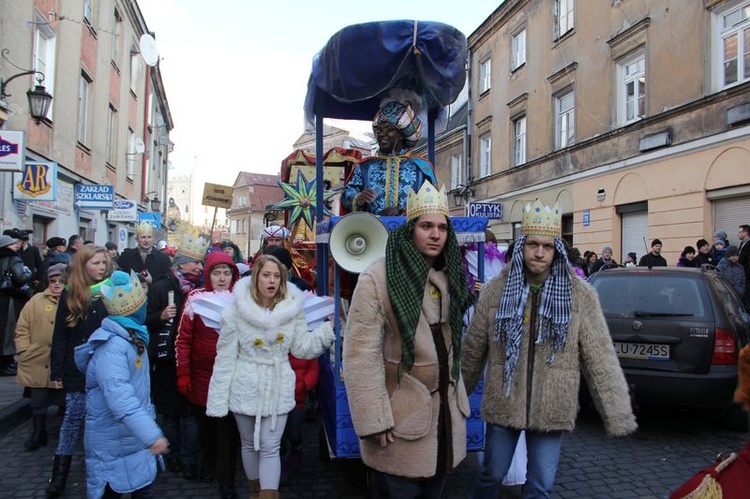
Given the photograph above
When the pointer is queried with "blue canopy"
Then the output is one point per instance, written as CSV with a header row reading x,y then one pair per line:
x,y
360,63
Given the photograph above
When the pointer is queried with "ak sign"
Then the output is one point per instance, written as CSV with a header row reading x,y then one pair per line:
x,y
36,182
94,197
12,151
492,211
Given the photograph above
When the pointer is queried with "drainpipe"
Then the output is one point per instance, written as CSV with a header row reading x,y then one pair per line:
x,y
144,157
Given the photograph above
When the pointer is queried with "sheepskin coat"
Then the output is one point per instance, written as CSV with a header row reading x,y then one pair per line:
x,y
252,374
544,396
410,408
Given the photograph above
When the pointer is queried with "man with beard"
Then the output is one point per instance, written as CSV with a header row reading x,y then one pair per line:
x,y
653,258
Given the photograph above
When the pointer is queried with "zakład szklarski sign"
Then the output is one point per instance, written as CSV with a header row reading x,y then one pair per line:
x,y
94,197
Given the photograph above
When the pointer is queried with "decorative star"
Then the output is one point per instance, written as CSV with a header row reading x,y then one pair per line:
x,y
300,199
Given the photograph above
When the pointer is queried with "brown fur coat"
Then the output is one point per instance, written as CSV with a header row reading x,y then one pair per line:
x,y
378,402
545,397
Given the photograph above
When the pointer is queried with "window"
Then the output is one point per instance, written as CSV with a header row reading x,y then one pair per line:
x,y
456,169
88,11
519,141
111,133
485,155
135,69
565,120
131,155
518,50
632,89
116,38
44,56
485,76
564,14
734,29
83,108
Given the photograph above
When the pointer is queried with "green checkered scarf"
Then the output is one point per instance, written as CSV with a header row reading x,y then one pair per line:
x,y
406,275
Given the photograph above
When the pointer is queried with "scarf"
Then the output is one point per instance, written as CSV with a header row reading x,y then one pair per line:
x,y
554,309
406,275
187,282
135,323
144,253
96,289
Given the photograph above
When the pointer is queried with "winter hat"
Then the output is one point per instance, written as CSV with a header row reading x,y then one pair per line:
x,y
655,242
633,256
6,240
282,254
732,250
719,240
701,243
56,270
54,242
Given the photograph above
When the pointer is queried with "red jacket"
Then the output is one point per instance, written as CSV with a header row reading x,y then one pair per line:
x,y
306,371
196,343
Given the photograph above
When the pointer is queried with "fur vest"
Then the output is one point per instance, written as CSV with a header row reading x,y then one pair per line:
x,y
409,407
544,395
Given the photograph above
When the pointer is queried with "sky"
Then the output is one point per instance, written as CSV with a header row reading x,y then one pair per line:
x,y
235,72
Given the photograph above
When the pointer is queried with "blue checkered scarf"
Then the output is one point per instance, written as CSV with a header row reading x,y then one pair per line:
x,y
554,309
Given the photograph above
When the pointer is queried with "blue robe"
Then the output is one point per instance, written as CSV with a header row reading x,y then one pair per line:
x,y
391,177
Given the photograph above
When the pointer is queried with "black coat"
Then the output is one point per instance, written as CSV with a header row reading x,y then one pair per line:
x,y
161,347
651,260
157,263
32,258
15,291
66,338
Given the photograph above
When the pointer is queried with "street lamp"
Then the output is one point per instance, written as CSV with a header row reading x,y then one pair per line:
x,y
39,99
155,202
463,192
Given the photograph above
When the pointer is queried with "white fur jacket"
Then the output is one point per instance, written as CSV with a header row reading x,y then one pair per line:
x,y
252,374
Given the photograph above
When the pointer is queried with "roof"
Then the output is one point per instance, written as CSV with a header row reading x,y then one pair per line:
x,y
248,178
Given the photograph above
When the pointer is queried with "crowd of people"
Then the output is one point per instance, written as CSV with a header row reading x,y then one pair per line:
x,y
181,360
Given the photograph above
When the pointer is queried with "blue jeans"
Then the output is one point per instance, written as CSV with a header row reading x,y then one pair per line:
x,y
184,438
499,445
72,423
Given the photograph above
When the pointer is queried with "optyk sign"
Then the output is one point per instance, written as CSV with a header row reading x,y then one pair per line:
x,y
486,210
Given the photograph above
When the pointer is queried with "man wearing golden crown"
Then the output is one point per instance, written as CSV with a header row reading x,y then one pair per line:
x,y
380,184
402,352
535,328
144,259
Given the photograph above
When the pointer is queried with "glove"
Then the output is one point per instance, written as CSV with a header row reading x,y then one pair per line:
x,y
184,385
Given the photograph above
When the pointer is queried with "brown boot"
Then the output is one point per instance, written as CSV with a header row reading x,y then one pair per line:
x,y
269,494
254,489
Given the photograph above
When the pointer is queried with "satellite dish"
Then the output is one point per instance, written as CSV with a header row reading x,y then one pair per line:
x,y
149,52
139,145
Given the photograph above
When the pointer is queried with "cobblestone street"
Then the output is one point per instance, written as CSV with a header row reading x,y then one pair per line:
x,y
668,448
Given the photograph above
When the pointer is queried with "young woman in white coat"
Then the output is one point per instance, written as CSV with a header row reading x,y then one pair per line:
x,y
252,376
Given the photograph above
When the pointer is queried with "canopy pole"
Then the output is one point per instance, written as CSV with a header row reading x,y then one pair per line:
x,y
321,253
431,118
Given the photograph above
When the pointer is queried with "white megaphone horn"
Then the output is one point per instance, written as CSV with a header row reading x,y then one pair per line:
x,y
356,240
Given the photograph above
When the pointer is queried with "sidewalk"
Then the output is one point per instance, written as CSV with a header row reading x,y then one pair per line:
x,y
14,409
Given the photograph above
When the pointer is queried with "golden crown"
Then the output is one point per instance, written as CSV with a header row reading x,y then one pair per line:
x,y
541,220
428,200
195,249
144,228
123,293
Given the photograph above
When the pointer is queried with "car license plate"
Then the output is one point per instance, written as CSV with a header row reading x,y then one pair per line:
x,y
643,351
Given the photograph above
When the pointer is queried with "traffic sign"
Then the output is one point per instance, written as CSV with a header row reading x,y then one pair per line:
x,y
95,197
150,217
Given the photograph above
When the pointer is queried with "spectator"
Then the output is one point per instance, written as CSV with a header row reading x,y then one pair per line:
x,y
579,267
631,259
719,250
15,291
606,259
74,244
33,339
743,233
112,250
144,258
687,258
704,255
29,253
532,368
731,269
653,258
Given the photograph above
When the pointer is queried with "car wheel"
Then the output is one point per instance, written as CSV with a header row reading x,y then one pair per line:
x,y
737,419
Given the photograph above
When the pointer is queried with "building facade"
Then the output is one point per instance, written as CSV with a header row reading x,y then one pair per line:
x,y
631,114
109,121
252,194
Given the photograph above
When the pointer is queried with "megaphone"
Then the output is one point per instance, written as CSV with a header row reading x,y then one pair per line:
x,y
356,240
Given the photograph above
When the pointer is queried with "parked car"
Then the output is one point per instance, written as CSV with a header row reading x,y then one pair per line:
x,y
677,333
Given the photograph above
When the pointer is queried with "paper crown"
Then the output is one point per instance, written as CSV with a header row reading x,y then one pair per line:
x,y
275,231
123,294
144,228
540,220
427,200
192,249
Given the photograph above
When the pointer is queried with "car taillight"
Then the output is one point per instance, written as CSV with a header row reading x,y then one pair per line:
x,y
725,348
